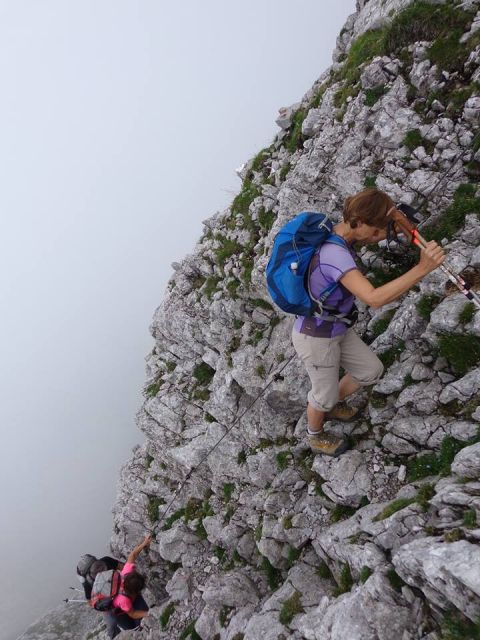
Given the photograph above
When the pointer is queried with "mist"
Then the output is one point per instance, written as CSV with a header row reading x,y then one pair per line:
x,y
121,125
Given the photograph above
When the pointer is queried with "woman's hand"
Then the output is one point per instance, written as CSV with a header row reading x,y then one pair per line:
x,y
431,257
147,540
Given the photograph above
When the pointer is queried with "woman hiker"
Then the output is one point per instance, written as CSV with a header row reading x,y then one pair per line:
x,y
326,345
129,605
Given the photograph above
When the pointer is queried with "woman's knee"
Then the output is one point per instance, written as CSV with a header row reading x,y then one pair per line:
x,y
371,375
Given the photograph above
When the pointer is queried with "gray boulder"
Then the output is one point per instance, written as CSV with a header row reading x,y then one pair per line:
x,y
448,574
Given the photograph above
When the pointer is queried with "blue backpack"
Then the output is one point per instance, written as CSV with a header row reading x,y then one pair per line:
x,y
289,265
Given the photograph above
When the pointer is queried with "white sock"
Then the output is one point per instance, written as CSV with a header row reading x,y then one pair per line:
x,y
311,432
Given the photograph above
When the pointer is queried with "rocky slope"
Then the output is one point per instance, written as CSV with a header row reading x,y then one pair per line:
x,y
254,537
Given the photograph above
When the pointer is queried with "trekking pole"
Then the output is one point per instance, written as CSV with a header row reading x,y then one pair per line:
x,y
68,600
402,216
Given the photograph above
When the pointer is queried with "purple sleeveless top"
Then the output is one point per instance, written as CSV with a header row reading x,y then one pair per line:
x,y
330,263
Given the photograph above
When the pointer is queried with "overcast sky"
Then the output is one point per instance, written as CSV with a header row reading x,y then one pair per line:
x,y
122,122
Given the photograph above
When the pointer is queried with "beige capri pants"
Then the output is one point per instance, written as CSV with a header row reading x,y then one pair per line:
x,y
323,358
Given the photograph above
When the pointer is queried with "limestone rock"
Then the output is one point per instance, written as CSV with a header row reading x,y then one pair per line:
x,y
347,479
448,574
467,462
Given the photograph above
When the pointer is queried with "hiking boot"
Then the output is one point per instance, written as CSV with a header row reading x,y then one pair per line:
x,y
343,412
327,444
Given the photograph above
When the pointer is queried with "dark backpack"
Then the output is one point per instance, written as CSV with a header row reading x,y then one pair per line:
x,y
84,564
107,585
288,269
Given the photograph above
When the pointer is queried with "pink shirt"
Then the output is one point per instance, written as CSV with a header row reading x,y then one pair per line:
x,y
122,602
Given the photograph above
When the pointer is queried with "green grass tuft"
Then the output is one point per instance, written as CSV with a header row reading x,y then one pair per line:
x,y
210,286
467,313
166,613
380,326
228,489
365,573
393,507
389,356
274,576
203,373
425,21
341,512
395,580
413,139
324,572
260,303
370,182
470,518
244,199
373,95
291,608
283,458
294,140
154,502
227,248
464,202
173,518
432,464
455,626
189,632
461,350
293,556
426,305
266,219
424,494
345,582
284,171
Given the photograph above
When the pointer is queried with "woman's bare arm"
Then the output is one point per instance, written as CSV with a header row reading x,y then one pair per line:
x,y
430,258
138,549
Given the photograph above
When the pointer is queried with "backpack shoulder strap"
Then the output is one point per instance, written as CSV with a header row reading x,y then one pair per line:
x,y
327,313
333,238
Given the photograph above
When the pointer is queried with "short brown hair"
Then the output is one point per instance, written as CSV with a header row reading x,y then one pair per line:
x,y
369,206
133,583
